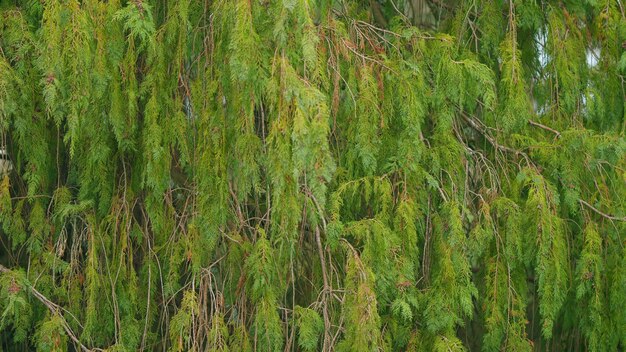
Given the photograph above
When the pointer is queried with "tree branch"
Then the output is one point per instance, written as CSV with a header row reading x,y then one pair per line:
x,y
493,142
598,211
537,124
327,288
378,14
54,309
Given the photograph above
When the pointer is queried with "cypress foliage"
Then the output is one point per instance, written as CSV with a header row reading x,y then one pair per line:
x,y
312,175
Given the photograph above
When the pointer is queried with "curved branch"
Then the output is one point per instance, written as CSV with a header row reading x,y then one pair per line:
x,y
599,212
542,126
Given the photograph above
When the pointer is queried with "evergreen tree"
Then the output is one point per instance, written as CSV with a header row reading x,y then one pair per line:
x,y
312,175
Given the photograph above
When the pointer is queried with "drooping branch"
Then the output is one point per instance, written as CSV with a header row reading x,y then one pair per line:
x,y
542,126
504,148
599,212
54,309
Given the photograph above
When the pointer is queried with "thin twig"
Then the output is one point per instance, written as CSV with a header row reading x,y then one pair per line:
x,y
517,152
537,124
327,290
54,309
494,142
610,217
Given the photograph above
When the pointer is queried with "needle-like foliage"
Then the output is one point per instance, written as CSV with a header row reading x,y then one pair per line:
x,y
312,175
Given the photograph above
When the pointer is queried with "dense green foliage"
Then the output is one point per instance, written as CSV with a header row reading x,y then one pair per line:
x,y
313,175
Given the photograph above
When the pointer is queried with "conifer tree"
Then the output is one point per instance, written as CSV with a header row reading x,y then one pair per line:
x,y
312,175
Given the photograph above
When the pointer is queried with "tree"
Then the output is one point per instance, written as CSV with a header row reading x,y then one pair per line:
x,y
304,175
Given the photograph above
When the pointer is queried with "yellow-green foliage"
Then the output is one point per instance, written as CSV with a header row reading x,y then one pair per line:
x,y
312,175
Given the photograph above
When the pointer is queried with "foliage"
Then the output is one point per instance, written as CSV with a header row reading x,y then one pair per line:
x,y
306,175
